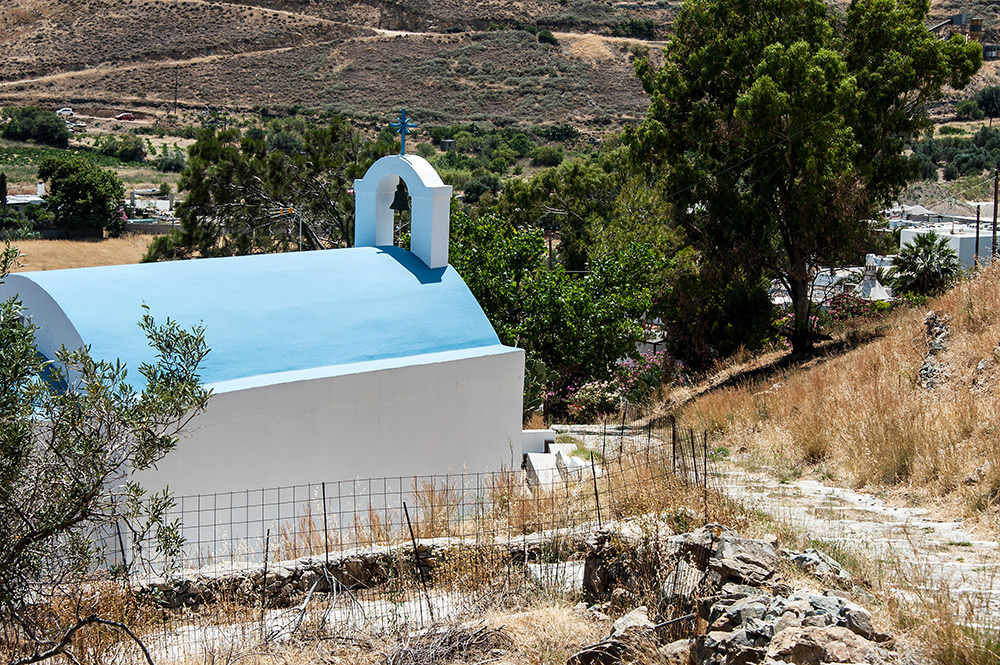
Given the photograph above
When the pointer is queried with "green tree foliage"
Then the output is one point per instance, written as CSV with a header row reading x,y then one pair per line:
x,y
546,155
477,149
34,124
171,160
546,37
988,100
925,266
639,28
778,127
567,202
237,184
968,109
82,196
958,155
573,325
127,147
68,445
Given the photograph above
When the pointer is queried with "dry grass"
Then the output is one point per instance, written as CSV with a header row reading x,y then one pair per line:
x,y
865,416
57,254
590,48
548,633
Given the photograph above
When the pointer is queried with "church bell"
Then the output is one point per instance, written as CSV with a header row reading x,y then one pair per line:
x,y
400,201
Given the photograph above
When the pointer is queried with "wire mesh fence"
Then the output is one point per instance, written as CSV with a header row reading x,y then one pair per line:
x,y
387,553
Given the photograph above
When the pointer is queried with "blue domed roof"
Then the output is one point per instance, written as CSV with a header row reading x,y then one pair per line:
x,y
265,314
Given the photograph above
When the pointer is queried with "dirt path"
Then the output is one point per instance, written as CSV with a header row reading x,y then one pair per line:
x,y
932,550
942,552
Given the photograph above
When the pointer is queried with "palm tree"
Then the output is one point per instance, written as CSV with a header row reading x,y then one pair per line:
x,y
926,265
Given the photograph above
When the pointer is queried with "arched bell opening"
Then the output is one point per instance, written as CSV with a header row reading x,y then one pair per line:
x,y
378,223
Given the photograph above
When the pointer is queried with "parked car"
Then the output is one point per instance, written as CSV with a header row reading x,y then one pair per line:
x,y
125,116
65,112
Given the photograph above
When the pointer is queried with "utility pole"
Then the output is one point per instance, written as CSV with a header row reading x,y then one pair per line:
x,y
975,256
996,183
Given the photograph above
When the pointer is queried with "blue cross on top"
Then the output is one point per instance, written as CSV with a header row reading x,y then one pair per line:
x,y
403,126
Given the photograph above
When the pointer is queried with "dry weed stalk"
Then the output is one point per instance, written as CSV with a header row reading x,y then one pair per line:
x,y
448,643
865,415
109,618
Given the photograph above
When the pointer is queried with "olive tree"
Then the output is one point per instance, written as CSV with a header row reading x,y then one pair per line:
x,y
72,431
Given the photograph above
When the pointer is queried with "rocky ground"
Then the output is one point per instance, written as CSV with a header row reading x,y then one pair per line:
x,y
910,544
730,600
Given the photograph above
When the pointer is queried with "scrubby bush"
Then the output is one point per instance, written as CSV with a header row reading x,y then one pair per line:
x,y
640,28
128,147
34,124
546,156
285,142
478,186
171,161
546,37
968,109
948,130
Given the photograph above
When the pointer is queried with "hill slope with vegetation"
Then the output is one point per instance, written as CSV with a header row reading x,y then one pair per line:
x,y
449,61
915,410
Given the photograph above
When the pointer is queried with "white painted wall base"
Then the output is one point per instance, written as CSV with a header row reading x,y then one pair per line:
x,y
434,414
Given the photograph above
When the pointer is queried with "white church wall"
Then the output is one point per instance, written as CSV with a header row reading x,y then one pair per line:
x,y
434,414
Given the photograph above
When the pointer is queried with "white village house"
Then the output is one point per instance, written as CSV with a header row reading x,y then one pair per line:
x,y
337,364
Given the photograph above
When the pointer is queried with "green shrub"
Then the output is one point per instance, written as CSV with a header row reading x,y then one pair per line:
x,y
546,37
34,124
561,133
476,187
968,109
948,130
640,28
546,156
127,148
171,161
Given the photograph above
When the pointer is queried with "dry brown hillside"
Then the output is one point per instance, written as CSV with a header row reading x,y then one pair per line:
x,y
437,58
447,60
916,410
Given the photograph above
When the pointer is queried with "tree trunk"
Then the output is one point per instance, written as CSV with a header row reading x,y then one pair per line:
x,y
801,336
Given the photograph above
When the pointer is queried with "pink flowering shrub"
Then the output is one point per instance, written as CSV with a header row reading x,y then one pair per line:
x,y
848,308
594,401
638,378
